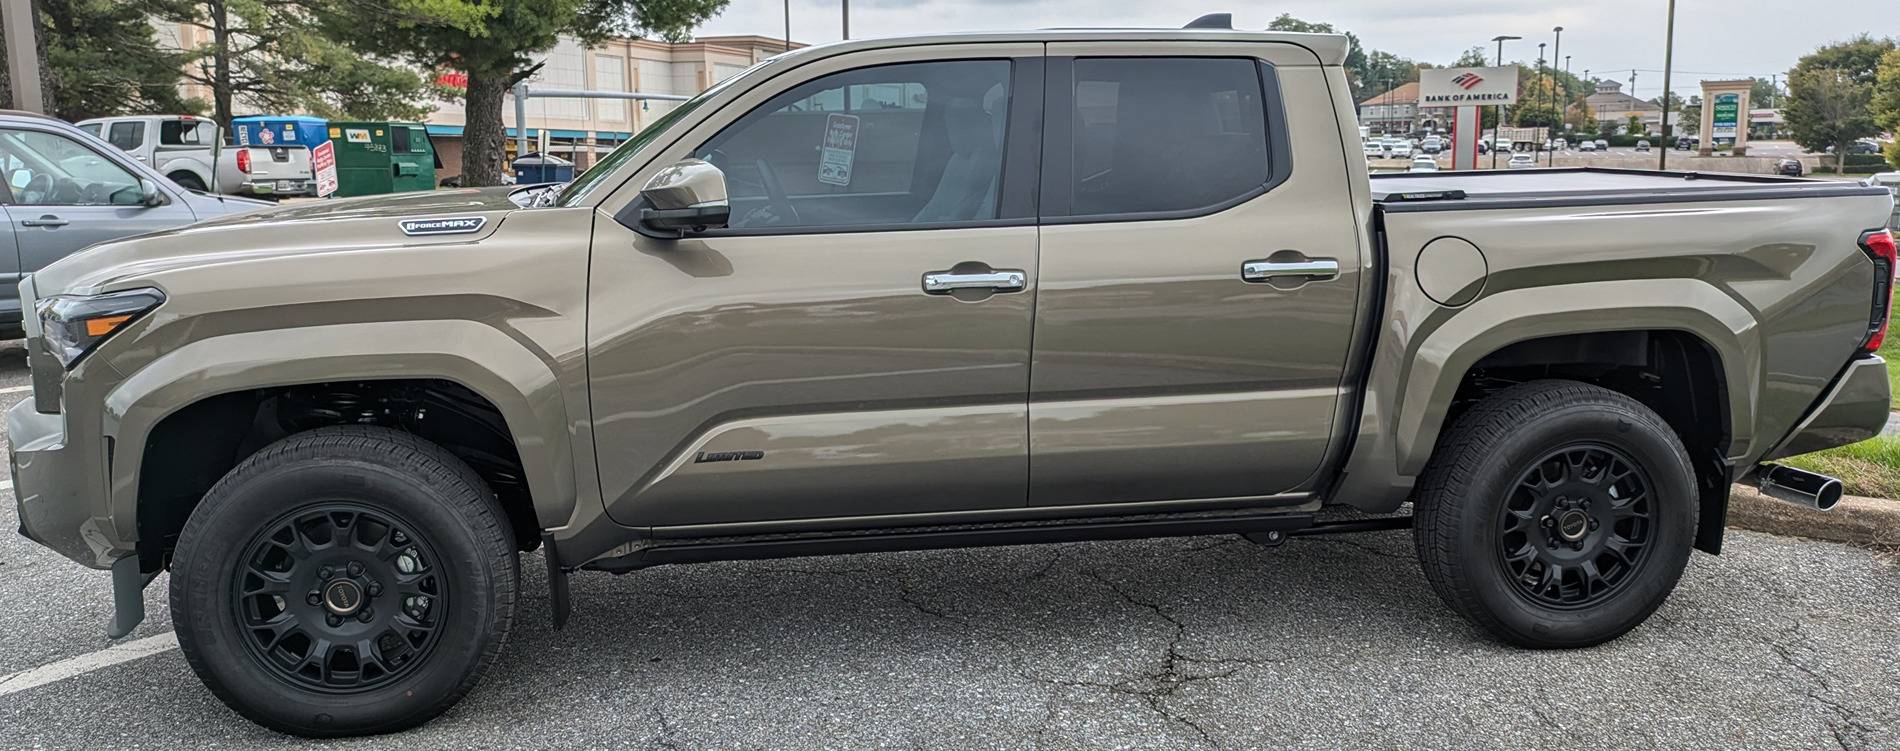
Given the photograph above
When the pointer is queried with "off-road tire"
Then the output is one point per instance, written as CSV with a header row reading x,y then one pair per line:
x,y
1479,462
449,509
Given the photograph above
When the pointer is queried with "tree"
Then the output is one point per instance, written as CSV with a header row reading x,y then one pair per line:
x,y
493,41
272,55
1534,115
1634,126
1471,58
1830,94
105,60
1885,103
1356,72
1689,117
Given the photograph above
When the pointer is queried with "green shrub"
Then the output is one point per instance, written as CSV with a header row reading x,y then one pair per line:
x,y
1893,154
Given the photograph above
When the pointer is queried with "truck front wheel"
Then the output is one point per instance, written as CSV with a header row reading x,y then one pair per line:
x,y
345,581
1556,514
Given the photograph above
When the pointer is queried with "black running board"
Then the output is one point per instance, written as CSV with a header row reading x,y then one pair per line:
x,y
664,552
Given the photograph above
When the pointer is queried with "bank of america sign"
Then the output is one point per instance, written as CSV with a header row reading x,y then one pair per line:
x,y
1467,87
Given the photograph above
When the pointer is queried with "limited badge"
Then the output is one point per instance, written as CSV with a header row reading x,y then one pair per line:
x,y
452,226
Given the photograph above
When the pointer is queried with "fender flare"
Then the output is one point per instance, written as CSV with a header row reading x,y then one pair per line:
x,y
182,164
1411,388
517,380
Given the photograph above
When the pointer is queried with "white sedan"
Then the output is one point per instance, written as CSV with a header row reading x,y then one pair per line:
x,y
1400,148
1521,161
1422,163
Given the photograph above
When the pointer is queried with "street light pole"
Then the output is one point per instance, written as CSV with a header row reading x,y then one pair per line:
x,y
788,25
1669,60
1556,111
847,19
23,58
1498,127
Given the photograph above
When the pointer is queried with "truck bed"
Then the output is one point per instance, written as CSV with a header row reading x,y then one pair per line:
x,y
1584,186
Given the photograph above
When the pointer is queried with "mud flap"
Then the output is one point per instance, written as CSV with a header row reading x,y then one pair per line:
x,y
558,594
128,596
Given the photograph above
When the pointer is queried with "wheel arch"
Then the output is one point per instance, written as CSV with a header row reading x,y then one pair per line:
x,y
211,380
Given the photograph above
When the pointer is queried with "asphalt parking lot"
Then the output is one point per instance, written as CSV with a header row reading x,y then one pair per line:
x,y
1193,643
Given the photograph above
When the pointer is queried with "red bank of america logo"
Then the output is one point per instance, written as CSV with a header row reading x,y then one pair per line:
x,y
1467,81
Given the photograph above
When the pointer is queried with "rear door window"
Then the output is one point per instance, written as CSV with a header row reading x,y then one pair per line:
x,y
1155,135
128,136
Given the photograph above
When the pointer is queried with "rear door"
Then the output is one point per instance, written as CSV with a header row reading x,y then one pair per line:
x,y
1197,280
64,195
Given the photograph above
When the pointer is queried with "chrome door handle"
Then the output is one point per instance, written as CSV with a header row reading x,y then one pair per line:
x,y
939,282
1314,270
45,221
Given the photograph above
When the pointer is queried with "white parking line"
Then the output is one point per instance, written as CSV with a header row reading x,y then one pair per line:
x,y
86,663
6,484
15,389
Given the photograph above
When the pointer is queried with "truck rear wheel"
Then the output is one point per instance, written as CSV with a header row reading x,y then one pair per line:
x,y
1556,514
345,581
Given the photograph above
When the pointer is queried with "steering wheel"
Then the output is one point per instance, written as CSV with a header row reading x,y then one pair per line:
x,y
38,190
780,205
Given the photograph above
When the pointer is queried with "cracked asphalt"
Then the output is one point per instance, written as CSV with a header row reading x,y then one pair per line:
x,y
1327,643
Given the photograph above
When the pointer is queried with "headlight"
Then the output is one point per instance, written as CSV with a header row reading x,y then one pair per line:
x,y
74,324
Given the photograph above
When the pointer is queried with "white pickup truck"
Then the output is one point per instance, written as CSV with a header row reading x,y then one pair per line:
x,y
182,148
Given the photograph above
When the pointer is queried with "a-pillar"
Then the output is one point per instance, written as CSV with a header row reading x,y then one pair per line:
x,y
1731,97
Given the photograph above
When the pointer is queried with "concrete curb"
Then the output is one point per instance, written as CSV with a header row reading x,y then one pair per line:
x,y
1857,521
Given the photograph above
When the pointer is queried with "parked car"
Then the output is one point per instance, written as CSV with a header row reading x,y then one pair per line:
x,y
1374,150
1559,144
1642,145
1423,163
181,147
1431,145
1586,145
339,423
1399,148
1890,181
1789,167
66,189
1522,161
1602,145
1688,143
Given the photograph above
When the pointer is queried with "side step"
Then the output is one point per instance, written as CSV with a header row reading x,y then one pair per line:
x,y
662,552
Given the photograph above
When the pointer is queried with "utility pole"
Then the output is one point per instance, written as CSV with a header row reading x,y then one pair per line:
x,y
23,55
847,19
788,25
1669,61
1538,84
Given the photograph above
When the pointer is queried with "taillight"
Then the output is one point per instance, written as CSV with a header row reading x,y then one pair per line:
x,y
1880,247
244,161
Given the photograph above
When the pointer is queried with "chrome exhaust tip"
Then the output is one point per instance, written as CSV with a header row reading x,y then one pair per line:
x,y
1799,486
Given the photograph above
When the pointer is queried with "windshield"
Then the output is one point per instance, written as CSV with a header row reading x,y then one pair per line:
x,y
591,179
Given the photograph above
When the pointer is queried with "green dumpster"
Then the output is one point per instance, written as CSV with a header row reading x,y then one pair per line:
x,y
382,157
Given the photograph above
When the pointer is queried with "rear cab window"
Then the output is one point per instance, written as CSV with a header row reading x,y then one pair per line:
x,y
128,135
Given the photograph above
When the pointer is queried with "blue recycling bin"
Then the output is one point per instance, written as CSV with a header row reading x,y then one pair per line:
x,y
542,168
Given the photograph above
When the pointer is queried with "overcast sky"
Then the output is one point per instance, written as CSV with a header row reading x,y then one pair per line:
x,y
1714,38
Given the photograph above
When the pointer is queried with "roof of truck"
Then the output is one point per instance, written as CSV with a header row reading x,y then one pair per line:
x,y
1571,186
1329,48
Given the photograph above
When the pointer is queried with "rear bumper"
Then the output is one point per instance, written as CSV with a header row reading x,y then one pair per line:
x,y
50,485
1854,410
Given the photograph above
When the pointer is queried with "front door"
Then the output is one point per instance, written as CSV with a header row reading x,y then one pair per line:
x,y
64,196
1198,284
856,343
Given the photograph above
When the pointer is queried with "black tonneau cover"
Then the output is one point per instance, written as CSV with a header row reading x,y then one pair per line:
x,y
1585,186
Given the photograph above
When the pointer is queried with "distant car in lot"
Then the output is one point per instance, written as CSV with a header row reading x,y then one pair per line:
x,y
1789,167
1890,181
1422,163
1431,145
1862,146
1602,145
1586,146
68,189
1521,161
1686,143
1642,145
1558,144
1399,148
1375,150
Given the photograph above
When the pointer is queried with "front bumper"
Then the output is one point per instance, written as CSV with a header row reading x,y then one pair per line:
x,y
1854,410
51,485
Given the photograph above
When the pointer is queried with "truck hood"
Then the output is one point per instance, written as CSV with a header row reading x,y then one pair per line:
x,y
355,224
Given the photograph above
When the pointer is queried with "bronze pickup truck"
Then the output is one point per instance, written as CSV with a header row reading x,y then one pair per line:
x,y
959,290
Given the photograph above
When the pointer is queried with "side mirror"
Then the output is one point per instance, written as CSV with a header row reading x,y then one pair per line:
x,y
149,194
689,196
